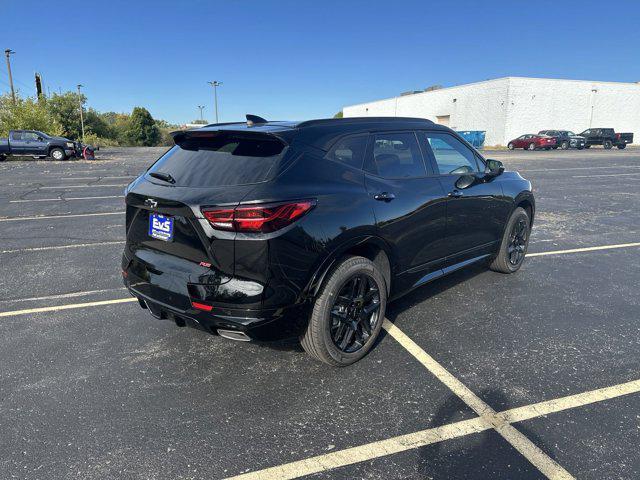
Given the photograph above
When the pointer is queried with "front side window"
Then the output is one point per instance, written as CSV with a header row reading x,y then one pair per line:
x,y
30,136
450,154
397,155
349,150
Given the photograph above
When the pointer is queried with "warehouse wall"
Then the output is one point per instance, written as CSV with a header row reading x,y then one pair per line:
x,y
540,104
508,107
475,106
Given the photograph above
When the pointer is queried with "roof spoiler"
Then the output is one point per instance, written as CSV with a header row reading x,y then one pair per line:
x,y
254,120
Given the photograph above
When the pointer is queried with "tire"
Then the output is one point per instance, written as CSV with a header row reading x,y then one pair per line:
x,y
57,154
322,338
622,146
3,158
531,147
564,145
503,262
555,148
581,148
587,146
510,146
607,144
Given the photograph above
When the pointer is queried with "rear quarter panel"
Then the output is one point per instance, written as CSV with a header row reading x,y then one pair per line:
x,y
286,263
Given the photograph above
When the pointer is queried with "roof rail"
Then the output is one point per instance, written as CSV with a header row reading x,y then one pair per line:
x,y
324,121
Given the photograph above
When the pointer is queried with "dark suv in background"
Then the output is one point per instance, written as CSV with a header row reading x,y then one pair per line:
x,y
565,139
266,230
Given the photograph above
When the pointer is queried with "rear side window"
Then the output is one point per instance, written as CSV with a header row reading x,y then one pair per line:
x,y
349,150
221,160
16,136
397,155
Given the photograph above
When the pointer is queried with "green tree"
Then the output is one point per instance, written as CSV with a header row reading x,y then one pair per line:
x,y
66,108
142,129
27,114
338,115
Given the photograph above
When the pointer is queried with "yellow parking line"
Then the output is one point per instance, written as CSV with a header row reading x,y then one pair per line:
x,y
369,451
47,217
58,199
63,247
520,442
390,446
586,249
70,306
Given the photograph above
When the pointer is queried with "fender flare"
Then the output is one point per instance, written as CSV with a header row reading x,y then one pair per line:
x,y
313,287
528,197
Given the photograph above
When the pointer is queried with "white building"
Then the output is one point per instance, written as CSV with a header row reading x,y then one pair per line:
x,y
511,106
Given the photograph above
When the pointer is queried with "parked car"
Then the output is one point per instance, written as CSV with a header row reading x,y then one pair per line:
x,y
607,137
36,144
531,141
565,139
267,230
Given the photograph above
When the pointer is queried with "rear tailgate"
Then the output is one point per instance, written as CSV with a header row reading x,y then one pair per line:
x,y
624,137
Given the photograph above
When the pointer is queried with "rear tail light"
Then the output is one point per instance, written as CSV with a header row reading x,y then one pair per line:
x,y
259,218
618,136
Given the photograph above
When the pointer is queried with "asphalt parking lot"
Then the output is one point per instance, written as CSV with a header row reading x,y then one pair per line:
x,y
478,375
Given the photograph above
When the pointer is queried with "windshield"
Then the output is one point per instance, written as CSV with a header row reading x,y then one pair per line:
x,y
220,160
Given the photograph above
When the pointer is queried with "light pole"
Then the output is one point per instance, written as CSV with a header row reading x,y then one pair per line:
x,y
81,115
201,107
593,101
215,84
8,52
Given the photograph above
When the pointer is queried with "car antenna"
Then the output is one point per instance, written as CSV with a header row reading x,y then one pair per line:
x,y
254,119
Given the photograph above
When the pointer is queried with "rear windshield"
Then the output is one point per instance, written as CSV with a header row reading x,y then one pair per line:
x,y
220,160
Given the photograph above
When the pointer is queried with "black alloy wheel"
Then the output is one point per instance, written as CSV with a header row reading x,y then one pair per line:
x,y
355,313
518,242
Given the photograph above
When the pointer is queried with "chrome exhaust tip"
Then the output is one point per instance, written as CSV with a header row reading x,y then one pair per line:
x,y
234,335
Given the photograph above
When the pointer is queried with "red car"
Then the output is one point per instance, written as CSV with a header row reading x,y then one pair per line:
x,y
532,141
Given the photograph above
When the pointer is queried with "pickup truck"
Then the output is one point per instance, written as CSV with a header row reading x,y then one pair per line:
x,y
35,144
606,137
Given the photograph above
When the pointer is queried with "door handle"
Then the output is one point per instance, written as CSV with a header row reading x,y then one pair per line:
x,y
454,194
384,196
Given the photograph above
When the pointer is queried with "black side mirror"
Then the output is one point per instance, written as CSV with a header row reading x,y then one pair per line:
x,y
40,139
494,167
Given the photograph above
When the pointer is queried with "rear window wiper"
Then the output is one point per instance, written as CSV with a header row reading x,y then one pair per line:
x,y
163,176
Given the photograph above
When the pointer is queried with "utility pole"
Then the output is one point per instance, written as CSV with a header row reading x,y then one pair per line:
x,y
81,114
8,52
201,107
215,84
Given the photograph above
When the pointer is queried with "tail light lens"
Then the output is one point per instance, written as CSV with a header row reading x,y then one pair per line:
x,y
259,218
617,136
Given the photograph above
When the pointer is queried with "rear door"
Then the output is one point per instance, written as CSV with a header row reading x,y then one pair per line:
x,y
476,214
408,202
18,144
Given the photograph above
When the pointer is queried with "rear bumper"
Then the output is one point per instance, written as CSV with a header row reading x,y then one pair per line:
x,y
249,325
170,295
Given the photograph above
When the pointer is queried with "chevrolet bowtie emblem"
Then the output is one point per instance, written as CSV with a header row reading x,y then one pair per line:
x,y
150,202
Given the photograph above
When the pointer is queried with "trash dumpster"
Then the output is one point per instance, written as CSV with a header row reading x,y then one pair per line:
x,y
474,137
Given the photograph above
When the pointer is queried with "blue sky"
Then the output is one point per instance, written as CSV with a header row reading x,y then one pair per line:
x,y
305,59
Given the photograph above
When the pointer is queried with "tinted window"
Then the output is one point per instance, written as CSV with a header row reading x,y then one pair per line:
x,y
16,136
220,160
450,154
397,155
349,150
30,136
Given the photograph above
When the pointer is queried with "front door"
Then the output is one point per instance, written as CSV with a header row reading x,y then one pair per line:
x,y
34,144
409,204
476,214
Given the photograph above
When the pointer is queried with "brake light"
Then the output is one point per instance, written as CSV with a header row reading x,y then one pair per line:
x,y
618,136
259,218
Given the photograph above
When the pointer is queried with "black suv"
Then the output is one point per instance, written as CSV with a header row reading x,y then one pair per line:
x,y
265,230
565,139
